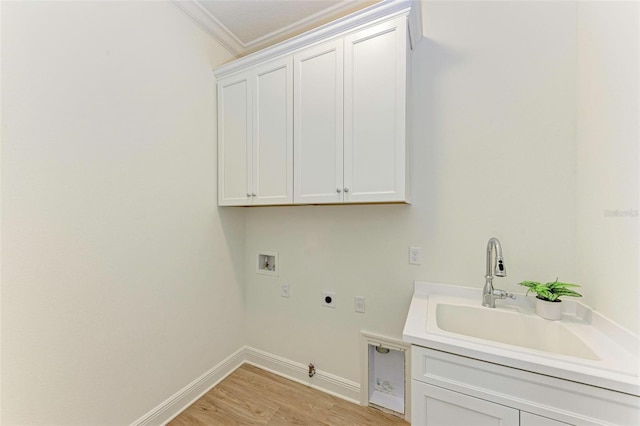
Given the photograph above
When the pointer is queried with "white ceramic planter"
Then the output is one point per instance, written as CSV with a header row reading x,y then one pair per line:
x,y
549,310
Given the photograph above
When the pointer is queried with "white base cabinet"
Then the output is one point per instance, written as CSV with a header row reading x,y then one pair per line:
x,y
453,390
438,406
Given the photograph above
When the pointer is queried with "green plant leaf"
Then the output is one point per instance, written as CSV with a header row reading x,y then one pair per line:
x,y
551,291
567,292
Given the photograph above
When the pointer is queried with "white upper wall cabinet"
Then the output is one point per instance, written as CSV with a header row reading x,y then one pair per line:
x,y
375,89
319,119
318,128
234,140
350,108
255,136
273,133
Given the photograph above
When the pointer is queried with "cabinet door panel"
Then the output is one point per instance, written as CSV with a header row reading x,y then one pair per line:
x,y
318,111
234,135
435,406
375,102
273,134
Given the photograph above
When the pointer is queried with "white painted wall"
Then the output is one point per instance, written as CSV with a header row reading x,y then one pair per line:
x,y
121,280
608,135
493,111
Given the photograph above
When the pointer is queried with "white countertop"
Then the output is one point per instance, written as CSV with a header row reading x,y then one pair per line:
x,y
618,350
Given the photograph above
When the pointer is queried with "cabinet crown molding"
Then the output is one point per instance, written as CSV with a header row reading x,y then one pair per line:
x,y
386,9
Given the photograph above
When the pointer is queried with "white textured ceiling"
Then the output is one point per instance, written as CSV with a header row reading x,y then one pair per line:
x,y
244,26
252,20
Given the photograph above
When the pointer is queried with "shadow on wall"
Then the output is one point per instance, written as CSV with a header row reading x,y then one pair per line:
x,y
431,63
232,223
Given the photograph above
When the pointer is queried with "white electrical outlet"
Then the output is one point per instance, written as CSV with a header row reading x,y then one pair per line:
x,y
329,299
284,290
415,255
360,304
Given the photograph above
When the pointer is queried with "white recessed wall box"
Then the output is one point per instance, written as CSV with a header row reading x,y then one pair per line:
x,y
386,376
267,263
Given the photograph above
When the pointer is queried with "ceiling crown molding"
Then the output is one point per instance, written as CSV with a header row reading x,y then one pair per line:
x,y
304,24
205,20
384,10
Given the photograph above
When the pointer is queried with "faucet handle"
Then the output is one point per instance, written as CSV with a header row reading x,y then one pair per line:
x,y
501,294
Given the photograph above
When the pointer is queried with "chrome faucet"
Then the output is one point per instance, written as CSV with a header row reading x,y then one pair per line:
x,y
490,294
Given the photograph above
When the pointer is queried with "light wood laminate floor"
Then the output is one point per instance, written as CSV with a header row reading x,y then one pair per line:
x,y
251,396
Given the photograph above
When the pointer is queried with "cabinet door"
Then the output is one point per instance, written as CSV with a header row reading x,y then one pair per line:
x,y
273,133
318,130
375,103
436,406
234,140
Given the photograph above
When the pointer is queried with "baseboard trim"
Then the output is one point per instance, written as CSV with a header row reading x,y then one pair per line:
x,y
322,381
182,399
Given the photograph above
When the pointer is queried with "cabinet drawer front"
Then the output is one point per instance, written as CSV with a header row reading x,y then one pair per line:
x,y
435,406
566,401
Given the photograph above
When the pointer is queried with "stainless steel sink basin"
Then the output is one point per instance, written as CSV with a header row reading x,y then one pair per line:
x,y
511,328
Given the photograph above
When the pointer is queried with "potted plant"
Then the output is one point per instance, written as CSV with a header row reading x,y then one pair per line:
x,y
548,295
